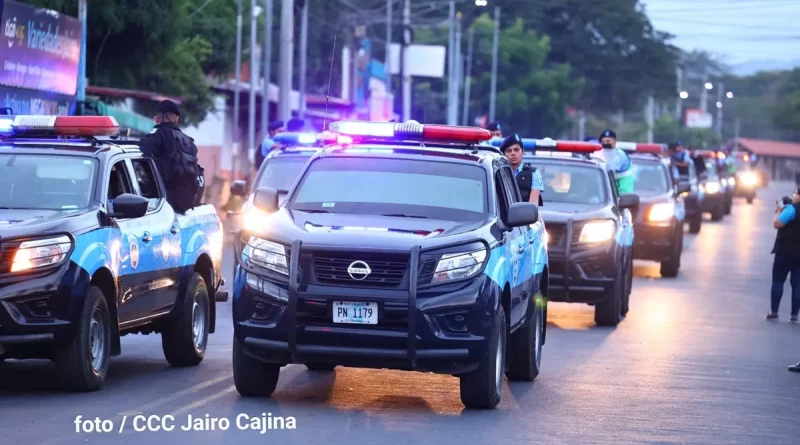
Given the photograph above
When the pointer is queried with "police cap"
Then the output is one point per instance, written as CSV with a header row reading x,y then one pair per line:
x,y
494,126
514,139
274,125
168,106
608,134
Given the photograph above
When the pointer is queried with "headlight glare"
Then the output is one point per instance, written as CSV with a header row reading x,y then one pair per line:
x,y
712,187
455,266
597,232
749,179
266,254
41,253
254,218
661,212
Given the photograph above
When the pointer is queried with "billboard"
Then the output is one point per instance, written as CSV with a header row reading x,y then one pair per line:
x,y
39,49
696,118
31,102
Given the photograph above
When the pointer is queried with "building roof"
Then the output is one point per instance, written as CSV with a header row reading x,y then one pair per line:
x,y
763,147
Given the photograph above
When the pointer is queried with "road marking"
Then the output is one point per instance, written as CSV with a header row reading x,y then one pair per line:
x,y
206,400
150,405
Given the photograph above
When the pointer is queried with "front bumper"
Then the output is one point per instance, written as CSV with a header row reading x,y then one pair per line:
x,y
40,307
579,274
714,201
442,329
655,242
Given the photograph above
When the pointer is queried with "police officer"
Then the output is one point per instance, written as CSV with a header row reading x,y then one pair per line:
x,y
494,127
175,155
529,179
787,256
618,161
268,144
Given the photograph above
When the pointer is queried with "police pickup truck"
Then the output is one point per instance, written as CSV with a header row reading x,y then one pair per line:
x,y
589,227
659,219
402,246
91,251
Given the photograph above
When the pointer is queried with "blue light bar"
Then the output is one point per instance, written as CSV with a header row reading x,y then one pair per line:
x,y
6,126
294,139
531,144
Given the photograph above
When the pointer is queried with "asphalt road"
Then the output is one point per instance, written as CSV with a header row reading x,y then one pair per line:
x,y
694,362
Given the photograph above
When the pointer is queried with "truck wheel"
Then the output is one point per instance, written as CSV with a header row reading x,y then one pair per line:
x,y
82,360
628,288
718,212
609,312
728,206
253,378
483,387
670,268
751,198
525,348
696,223
185,338
320,366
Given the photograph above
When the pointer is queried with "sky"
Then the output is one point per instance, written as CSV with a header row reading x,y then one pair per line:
x,y
738,30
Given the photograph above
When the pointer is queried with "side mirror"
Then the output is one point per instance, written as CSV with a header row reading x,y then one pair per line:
x,y
628,201
239,188
266,199
522,214
128,206
684,187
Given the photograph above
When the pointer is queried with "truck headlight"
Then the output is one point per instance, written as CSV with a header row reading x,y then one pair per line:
x,y
732,181
661,212
266,254
712,187
41,253
253,218
598,231
749,179
455,266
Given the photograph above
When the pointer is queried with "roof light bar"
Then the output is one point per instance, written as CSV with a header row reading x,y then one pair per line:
x,y
548,144
411,131
294,139
85,126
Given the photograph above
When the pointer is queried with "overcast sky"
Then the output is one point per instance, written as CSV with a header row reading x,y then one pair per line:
x,y
740,30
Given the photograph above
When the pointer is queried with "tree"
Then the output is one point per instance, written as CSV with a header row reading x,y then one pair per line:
x,y
166,46
787,113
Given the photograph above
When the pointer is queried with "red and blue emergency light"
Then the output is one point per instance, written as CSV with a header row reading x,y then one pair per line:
x,y
548,144
635,147
31,125
410,131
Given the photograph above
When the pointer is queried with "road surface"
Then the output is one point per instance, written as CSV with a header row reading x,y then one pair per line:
x,y
694,362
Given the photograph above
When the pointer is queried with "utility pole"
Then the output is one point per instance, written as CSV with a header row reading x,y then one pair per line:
x,y
458,65
736,135
303,59
451,65
581,125
678,101
81,93
251,121
387,63
720,89
236,99
285,71
704,93
468,77
649,112
404,61
268,8
495,56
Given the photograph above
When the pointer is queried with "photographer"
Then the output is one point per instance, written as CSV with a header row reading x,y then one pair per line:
x,y
787,254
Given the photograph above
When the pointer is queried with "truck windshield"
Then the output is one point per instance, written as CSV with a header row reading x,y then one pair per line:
x,y
649,178
573,184
382,186
281,172
711,169
46,182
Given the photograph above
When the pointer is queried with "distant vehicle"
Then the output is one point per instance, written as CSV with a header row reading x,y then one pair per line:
x,y
719,199
747,179
658,222
693,195
711,186
589,228
91,251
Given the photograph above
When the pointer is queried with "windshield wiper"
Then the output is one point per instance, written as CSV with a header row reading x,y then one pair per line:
x,y
401,215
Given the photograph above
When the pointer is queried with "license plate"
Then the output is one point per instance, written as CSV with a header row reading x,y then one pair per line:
x,y
355,313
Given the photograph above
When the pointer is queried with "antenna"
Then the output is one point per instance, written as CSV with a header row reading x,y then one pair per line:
x,y
330,76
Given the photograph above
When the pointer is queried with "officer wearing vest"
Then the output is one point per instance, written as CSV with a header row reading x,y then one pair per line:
x,y
529,179
787,255
617,160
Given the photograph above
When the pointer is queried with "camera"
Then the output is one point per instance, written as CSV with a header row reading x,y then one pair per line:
x,y
784,201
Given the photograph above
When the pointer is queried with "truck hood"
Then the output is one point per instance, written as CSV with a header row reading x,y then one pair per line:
x,y
361,231
558,212
18,222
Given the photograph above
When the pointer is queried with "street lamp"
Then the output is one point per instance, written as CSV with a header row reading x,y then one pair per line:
x,y
730,95
719,104
684,95
481,2
709,86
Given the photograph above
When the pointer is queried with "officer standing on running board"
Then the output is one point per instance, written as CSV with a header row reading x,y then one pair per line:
x,y
529,179
617,160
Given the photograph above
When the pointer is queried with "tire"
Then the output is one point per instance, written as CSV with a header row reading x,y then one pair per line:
x,y
625,307
750,199
82,359
525,349
253,378
483,387
718,212
185,338
609,312
670,268
696,223
728,206
320,366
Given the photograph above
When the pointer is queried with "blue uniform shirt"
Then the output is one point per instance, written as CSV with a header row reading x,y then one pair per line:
x,y
787,214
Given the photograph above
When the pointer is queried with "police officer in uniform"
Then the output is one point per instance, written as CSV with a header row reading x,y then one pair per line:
x,y
618,161
787,256
529,179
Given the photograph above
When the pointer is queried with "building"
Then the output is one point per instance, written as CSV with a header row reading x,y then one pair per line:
x,y
778,159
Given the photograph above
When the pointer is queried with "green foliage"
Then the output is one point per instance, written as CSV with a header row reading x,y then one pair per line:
x,y
787,112
667,130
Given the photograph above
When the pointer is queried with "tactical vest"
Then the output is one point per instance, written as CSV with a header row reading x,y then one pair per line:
x,y
525,183
788,239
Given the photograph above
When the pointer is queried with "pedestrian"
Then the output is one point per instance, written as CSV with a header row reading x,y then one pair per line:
x,y
617,160
787,255
268,144
529,179
175,155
